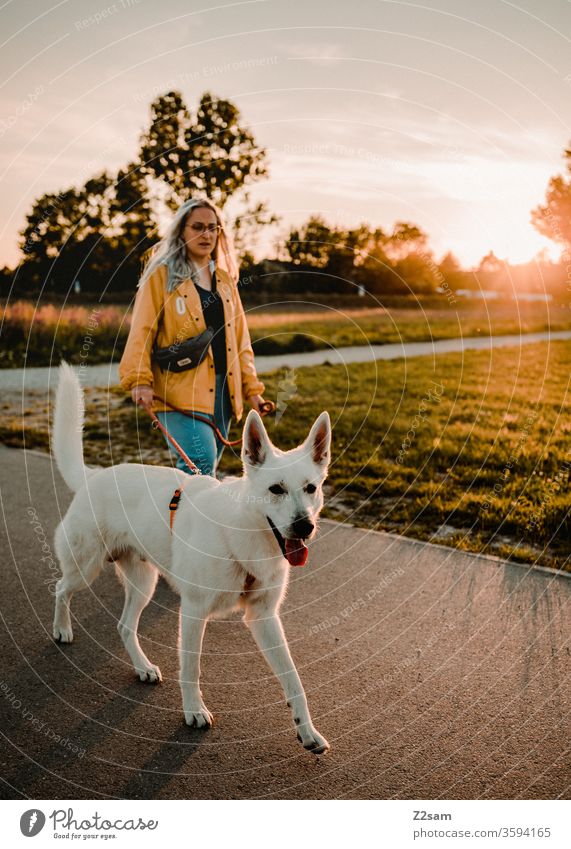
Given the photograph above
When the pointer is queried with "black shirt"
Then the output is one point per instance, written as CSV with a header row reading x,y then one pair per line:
x,y
213,312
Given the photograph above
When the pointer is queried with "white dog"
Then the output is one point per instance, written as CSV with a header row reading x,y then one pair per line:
x,y
231,544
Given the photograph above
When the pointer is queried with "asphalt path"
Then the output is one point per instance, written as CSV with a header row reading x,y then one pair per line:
x,y
433,673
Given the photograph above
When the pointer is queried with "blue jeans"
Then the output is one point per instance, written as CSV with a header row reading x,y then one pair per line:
x,y
197,438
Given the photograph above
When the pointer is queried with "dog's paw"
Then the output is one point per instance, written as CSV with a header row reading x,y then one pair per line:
x,y
312,740
199,717
150,674
62,634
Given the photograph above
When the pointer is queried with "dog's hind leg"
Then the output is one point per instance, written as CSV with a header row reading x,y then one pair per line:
x,y
139,577
81,559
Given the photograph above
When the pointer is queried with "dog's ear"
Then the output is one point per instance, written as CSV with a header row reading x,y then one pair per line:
x,y
319,440
255,441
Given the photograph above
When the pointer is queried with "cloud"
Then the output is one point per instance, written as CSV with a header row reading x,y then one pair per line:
x,y
319,54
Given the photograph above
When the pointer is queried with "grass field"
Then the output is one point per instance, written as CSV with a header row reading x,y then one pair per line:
x,y
41,336
306,331
472,450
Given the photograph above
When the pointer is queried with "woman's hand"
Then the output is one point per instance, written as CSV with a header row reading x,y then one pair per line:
x,y
143,395
256,401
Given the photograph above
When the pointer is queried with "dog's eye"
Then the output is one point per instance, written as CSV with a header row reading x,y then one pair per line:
x,y
310,488
277,489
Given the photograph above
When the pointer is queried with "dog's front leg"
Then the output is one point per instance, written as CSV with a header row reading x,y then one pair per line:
x,y
193,625
270,638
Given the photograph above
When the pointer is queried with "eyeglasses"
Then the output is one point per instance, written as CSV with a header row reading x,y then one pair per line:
x,y
199,228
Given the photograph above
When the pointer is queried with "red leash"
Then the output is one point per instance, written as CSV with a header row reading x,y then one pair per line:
x,y
173,442
267,407
200,418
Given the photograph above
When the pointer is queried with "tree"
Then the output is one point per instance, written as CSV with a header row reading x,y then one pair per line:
x,y
554,218
132,228
381,263
450,270
316,245
62,231
406,238
449,265
490,264
312,244
493,273
418,272
348,252
212,154
95,233
372,249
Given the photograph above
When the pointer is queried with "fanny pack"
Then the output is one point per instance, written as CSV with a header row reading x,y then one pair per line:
x,y
184,355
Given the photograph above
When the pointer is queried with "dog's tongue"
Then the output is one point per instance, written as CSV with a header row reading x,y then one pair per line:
x,y
296,552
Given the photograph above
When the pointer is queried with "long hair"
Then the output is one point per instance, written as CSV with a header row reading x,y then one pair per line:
x,y
171,250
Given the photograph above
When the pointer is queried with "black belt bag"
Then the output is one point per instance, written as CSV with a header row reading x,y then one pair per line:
x,y
184,355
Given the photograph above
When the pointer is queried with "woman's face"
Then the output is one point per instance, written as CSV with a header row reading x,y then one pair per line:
x,y
200,233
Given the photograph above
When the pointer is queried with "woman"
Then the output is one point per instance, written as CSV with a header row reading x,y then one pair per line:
x,y
191,283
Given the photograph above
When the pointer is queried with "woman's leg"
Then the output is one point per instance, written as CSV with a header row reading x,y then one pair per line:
x,y
196,438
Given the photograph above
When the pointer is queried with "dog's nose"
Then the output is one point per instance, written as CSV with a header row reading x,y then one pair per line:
x,y
302,528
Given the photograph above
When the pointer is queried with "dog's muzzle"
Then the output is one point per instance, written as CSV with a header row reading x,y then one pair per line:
x,y
294,550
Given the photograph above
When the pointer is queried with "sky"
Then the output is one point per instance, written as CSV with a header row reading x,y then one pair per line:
x,y
449,114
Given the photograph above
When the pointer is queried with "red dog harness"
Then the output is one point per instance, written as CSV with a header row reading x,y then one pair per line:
x,y
173,505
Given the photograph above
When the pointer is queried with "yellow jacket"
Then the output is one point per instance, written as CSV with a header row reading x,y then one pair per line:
x,y
173,316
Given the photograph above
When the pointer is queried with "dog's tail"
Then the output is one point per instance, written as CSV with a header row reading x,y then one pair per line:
x,y
67,434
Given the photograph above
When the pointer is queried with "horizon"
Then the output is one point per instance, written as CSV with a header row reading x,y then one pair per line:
x,y
446,116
